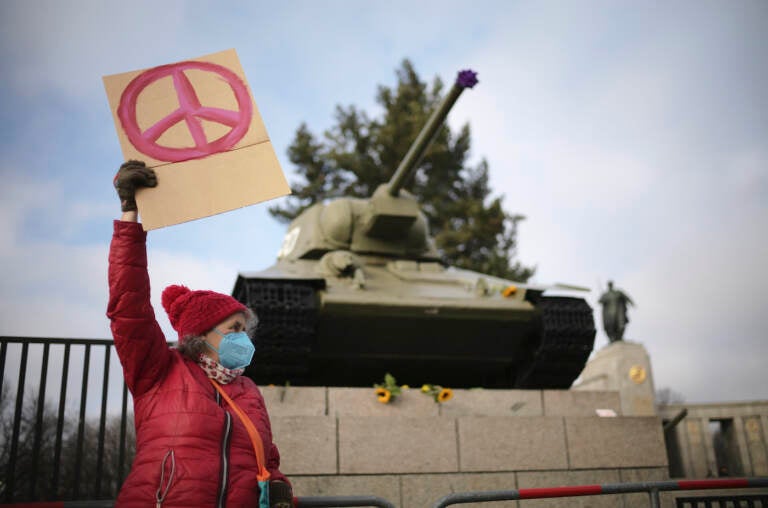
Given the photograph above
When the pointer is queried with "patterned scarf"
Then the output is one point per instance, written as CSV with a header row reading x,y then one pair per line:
x,y
217,371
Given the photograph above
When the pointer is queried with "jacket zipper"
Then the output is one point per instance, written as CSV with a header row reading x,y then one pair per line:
x,y
224,455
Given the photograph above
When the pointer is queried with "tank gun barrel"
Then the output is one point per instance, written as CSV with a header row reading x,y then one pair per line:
x,y
465,79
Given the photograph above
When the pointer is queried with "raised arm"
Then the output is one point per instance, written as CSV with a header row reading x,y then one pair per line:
x,y
139,341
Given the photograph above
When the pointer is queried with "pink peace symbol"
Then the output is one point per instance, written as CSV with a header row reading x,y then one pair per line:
x,y
190,111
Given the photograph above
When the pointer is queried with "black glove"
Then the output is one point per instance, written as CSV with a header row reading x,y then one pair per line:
x,y
131,176
280,495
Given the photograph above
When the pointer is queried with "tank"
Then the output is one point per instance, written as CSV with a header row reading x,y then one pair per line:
x,y
359,290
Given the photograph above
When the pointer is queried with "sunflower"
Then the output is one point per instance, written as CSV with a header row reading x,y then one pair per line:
x,y
383,395
426,388
444,395
509,291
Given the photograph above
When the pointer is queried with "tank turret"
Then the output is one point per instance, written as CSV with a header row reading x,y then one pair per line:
x,y
390,222
358,290
392,211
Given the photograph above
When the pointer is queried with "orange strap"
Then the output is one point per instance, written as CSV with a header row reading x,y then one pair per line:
x,y
258,446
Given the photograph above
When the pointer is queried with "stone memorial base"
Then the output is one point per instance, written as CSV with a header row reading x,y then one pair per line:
x,y
624,367
413,451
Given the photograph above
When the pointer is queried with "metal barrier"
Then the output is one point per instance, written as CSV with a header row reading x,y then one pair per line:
x,y
342,501
41,441
652,488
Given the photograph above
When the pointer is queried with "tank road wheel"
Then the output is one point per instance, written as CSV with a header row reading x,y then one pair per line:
x,y
287,313
567,339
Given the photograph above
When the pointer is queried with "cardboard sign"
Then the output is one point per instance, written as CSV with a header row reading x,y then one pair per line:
x,y
197,125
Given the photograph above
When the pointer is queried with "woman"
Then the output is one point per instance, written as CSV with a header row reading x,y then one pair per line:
x,y
200,424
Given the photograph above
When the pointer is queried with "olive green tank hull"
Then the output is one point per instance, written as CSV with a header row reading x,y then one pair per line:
x,y
306,338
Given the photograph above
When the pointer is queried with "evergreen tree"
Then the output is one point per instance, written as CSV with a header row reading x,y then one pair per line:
x,y
359,153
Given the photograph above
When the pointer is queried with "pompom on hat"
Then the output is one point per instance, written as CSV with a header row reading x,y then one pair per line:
x,y
196,312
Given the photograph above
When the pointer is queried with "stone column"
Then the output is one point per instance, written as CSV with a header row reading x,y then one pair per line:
x,y
756,445
697,433
709,446
686,460
625,367
741,441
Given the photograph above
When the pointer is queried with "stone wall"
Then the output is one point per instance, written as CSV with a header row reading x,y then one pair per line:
x,y
744,430
342,441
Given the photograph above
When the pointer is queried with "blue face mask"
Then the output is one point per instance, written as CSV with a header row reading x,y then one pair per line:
x,y
235,349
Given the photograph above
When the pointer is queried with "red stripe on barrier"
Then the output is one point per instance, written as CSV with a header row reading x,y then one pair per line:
x,y
713,484
580,490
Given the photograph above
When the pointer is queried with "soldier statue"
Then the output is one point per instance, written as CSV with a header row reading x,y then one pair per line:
x,y
614,302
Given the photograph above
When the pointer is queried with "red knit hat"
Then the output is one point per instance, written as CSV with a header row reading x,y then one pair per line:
x,y
197,312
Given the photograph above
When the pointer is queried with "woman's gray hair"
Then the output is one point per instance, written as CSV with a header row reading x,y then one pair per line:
x,y
193,345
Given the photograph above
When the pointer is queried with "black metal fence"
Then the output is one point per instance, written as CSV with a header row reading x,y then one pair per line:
x,y
57,440
745,501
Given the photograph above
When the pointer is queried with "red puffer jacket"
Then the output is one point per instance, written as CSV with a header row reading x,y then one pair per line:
x,y
191,449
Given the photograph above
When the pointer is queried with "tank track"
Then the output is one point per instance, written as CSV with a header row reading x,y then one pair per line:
x,y
287,313
567,339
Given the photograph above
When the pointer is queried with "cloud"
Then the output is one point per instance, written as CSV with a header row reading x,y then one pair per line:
x,y
59,46
53,288
631,137
700,306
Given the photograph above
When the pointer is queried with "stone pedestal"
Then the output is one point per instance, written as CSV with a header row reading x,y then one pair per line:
x,y
342,441
625,367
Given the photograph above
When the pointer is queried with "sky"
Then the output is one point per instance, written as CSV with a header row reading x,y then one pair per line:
x,y
632,135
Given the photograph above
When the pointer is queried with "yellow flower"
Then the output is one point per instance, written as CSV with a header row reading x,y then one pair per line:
x,y
425,388
405,387
383,395
444,395
509,291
